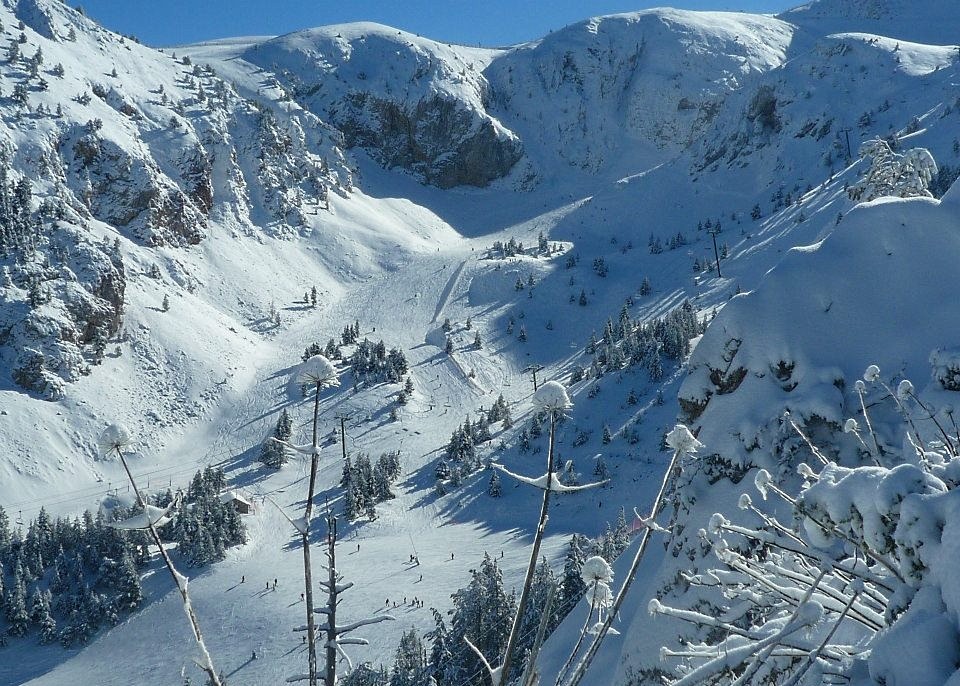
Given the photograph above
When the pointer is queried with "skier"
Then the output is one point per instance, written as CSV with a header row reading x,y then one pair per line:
x,y
242,579
421,577
253,656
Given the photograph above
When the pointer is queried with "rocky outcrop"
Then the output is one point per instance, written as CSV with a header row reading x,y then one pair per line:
x,y
437,138
411,103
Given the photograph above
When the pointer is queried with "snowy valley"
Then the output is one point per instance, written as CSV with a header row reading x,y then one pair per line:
x,y
719,220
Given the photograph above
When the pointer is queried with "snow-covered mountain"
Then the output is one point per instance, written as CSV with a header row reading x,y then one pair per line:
x,y
166,215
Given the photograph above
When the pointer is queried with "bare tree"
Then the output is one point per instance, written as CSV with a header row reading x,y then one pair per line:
x,y
336,634
316,373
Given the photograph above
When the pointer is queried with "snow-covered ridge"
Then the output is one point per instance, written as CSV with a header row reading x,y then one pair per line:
x,y
416,103
928,21
626,91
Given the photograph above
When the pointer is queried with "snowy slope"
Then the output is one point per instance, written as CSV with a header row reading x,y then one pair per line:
x,y
798,343
204,382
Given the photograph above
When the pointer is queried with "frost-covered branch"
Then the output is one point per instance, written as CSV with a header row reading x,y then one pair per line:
x,y
113,439
683,443
865,545
556,485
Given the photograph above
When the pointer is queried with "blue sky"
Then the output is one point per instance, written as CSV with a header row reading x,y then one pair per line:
x,y
489,22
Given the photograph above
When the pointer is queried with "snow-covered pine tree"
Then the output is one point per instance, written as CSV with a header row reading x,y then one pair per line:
x,y
273,453
482,612
15,604
410,662
494,488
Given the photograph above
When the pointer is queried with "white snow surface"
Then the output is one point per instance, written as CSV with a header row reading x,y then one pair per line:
x,y
610,156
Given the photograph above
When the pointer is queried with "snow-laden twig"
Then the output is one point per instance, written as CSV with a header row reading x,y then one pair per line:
x,y
814,449
811,658
493,672
760,658
735,656
151,516
683,442
553,398
335,633
113,439
531,676
861,388
305,449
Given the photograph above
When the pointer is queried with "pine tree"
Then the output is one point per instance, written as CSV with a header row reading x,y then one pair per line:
x,y
313,296
275,454
381,483
572,586
15,604
4,529
600,469
129,593
494,489
440,649
165,306
606,438
621,533
410,662
43,618
482,612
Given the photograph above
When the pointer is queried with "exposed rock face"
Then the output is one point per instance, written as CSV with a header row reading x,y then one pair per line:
x,y
437,138
410,102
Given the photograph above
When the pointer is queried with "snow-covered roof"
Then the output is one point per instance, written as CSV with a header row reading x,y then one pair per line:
x,y
231,496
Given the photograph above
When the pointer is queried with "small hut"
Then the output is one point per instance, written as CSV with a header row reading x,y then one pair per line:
x,y
240,503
